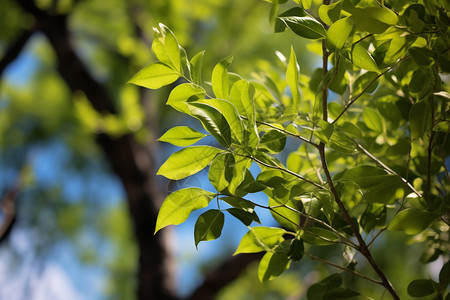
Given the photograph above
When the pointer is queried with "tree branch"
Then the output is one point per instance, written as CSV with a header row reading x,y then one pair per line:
x,y
14,50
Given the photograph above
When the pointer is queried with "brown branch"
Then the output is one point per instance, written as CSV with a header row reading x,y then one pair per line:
x,y
362,245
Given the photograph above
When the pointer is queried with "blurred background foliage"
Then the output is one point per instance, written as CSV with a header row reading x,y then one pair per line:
x,y
70,206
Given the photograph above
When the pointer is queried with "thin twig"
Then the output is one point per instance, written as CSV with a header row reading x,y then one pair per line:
x,y
389,170
342,268
366,88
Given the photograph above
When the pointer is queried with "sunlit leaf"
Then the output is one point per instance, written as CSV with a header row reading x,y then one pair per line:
x,y
220,78
272,265
221,171
362,59
181,136
412,221
339,32
187,161
259,239
330,13
419,119
292,74
196,67
184,93
155,76
177,207
166,47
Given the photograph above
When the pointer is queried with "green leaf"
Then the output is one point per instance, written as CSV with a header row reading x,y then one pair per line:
x,y
296,250
231,115
272,265
220,80
292,74
412,221
155,76
196,67
361,58
272,141
221,171
239,174
419,119
339,32
244,216
422,56
166,47
330,13
181,136
373,19
177,207
187,162
259,239
373,119
373,216
317,290
444,275
301,23
208,226
363,81
324,131
319,236
240,203
421,288
241,96
213,121
276,1
341,293
286,217
340,142
184,93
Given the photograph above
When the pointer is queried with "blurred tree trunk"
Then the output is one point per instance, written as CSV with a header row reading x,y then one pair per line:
x,y
132,162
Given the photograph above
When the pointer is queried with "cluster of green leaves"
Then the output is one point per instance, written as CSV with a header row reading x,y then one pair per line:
x,y
385,137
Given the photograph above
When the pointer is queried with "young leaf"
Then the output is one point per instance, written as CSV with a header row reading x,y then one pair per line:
x,y
292,74
241,96
412,221
221,171
319,236
330,13
301,23
272,265
166,47
208,226
184,93
339,32
196,67
213,121
363,81
187,162
361,58
240,168
220,80
181,136
155,76
286,217
177,207
259,239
